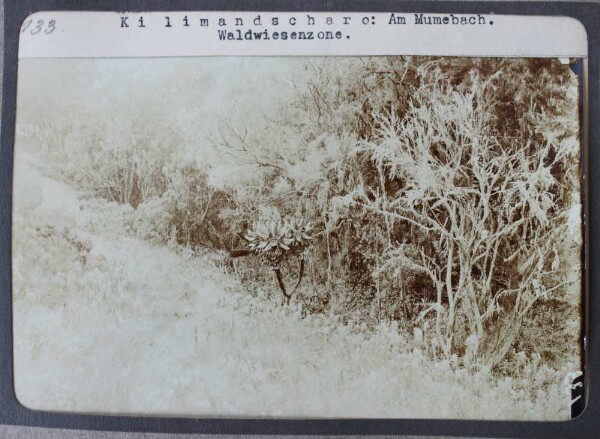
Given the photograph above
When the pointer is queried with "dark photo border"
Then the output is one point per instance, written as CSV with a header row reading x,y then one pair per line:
x,y
586,425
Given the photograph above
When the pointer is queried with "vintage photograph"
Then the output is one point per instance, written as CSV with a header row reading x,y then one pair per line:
x,y
298,237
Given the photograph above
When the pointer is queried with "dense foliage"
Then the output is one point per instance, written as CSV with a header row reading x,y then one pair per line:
x,y
437,193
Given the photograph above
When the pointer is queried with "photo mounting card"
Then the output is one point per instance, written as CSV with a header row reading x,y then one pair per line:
x,y
300,215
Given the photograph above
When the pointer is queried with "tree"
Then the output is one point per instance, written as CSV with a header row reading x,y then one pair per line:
x,y
482,215
275,241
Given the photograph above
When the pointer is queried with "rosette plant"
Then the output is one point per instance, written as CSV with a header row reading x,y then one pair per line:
x,y
300,234
275,241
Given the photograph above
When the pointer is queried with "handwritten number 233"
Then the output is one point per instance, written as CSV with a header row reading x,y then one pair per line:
x,y
39,26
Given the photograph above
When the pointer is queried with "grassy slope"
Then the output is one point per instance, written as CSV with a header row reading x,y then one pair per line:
x,y
110,323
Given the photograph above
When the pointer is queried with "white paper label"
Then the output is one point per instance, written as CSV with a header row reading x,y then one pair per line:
x,y
197,33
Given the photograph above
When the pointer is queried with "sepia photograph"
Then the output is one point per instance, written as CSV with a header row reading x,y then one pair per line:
x,y
298,237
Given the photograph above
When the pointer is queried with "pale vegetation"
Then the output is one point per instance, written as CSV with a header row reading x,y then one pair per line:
x,y
429,204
